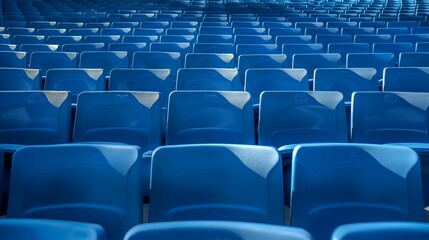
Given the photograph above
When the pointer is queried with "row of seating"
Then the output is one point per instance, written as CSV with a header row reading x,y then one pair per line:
x,y
101,184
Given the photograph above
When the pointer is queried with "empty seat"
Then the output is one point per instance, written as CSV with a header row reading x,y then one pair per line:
x,y
130,48
335,184
30,48
294,39
28,39
382,230
140,39
158,60
327,39
346,48
395,48
406,79
140,123
178,38
214,48
313,61
371,39
287,118
217,30
215,229
379,61
13,59
107,60
97,183
181,31
253,39
358,31
259,80
48,60
414,59
17,79
411,38
211,38
181,47
106,39
215,117
8,47
44,229
75,80
291,49
209,60
393,31
248,61
256,49
83,31
83,47
148,31
345,80
64,39
116,31
186,188
155,80
35,117
220,79
275,32
422,47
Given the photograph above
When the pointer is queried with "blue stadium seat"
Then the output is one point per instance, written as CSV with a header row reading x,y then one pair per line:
x,y
64,39
214,48
313,61
44,229
371,39
358,31
158,60
182,230
345,80
191,189
209,60
116,31
306,117
83,47
19,79
395,48
8,47
313,31
294,39
291,49
148,31
151,80
96,183
217,30
106,39
274,79
247,61
181,31
379,61
28,39
21,31
107,60
13,59
84,31
393,31
335,184
48,60
275,32
414,59
411,38
346,48
35,117
155,24
422,47
249,31
327,39
51,31
215,117
185,24
218,79
178,38
75,80
406,79
30,48
5,38
180,47
382,230
253,39
256,49
148,39
212,38
130,48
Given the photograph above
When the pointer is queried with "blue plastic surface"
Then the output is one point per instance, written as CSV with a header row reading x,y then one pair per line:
x,y
414,59
216,182
48,60
186,230
13,59
209,60
44,229
20,79
335,184
107,60
312,61
246,61
96,183
219,79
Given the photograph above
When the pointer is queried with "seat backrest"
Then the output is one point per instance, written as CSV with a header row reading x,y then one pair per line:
x,y
210,117
382,230
13,59
379,61
64,39
389,117
218,79
35,117
140,122
335,184
214,48
208,182
211,38
256,49
259,80
151,80
45,229
313,61
293,48
346,48
96,183
48,60
395,48
75,80
17,79
345,80
82,47
293,117
209,60
414,59
107,60
130,48
30,48
182,230
406,79
247,61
